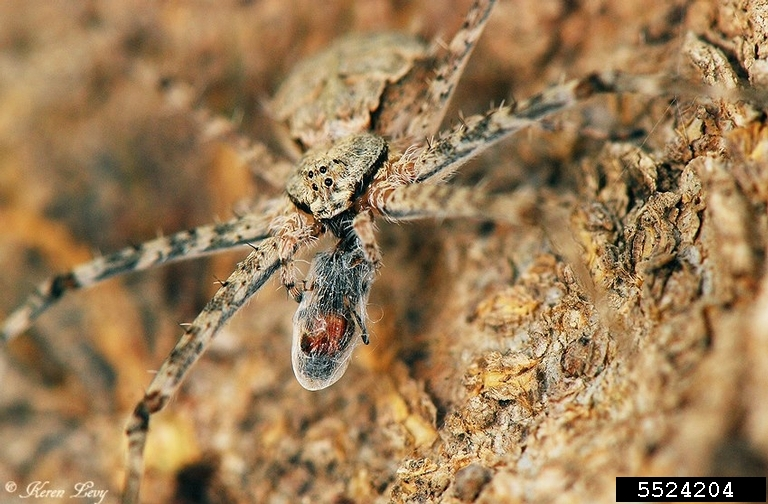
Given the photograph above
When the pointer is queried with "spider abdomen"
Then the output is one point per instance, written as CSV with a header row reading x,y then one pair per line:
x,y
334,93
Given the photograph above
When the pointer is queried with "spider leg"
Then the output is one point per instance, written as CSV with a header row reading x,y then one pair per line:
x,y
362,224
425,108
249,276
449,70
263,164
442,156
291,229
183,245
422,201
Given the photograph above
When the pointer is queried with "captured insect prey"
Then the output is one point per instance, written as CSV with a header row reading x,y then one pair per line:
x,y
330,320
363,138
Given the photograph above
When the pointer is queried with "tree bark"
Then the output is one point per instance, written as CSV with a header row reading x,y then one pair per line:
x,y
626,333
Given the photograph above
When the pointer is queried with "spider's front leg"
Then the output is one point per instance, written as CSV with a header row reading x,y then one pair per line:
x,y
416,109
249,276
189,244
424,201
440,158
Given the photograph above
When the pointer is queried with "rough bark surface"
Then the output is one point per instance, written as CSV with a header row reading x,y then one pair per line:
x,y
626,335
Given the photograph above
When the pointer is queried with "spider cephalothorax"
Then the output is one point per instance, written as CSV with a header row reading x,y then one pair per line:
x,y
329,180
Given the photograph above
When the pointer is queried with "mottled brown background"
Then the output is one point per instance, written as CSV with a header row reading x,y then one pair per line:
x,y
506,365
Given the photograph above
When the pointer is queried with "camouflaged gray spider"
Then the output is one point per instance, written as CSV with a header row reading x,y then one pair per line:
x,y
365,113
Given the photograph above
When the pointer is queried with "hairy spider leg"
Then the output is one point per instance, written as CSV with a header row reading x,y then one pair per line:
x,y
249,276
441,157
197,242
422,201
416,110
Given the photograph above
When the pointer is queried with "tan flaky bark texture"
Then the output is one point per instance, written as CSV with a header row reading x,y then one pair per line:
x,y
625,334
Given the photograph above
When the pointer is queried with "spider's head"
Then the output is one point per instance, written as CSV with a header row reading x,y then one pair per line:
x,y
327,181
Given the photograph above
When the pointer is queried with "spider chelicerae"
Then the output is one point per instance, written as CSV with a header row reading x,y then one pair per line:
x,y
365,113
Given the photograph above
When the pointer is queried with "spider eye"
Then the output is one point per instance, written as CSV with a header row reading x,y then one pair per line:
x,y
328,182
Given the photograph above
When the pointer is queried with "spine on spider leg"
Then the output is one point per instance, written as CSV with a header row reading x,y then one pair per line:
x,y
450,68
183,245
244,282
442,156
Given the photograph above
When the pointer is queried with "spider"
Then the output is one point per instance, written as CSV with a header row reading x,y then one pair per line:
x,y
365,115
